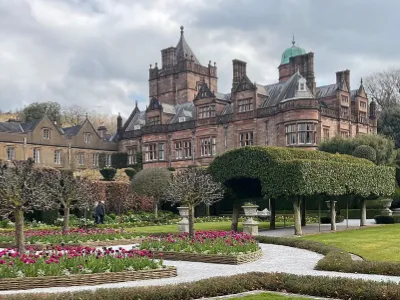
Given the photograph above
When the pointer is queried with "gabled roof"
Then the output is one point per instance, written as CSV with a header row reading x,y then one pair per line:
x,y
73,130
204,92
12,127
222,96
287,91
183,50
187,110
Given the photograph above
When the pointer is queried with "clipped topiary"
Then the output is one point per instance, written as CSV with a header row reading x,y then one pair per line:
x,y
130,172
365,151
108,173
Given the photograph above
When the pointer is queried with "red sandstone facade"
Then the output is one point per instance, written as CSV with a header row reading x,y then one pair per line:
x,y
188,122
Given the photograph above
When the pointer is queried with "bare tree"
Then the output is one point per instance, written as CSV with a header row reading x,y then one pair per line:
x,y
384,87
152,183
23,188
73,115
69,192
191,187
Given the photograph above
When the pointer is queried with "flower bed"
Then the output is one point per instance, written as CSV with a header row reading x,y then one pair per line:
x,y
91,237
206,246
64,266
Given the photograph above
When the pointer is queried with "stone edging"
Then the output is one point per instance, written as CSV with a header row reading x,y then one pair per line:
x,y
211,258
27,283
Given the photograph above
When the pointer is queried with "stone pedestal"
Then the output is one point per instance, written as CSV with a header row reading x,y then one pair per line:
x,y
183,225
396,212
386,204
250,227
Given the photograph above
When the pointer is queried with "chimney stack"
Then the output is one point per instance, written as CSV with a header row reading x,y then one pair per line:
x,y
343,76
239,70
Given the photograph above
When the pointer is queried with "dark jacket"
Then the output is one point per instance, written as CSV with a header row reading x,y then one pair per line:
x,y
100,210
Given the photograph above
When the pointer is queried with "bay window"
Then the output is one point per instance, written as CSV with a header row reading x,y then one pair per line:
x,y
301,134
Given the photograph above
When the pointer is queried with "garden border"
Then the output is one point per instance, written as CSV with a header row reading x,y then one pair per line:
x,y
26,283
211,258
336,259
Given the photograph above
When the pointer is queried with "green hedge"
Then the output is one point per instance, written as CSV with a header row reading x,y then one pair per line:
x,y
297,172
327,220
119,160
355,213
387,219
108,173
343,288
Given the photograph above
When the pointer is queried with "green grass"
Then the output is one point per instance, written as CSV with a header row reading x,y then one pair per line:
x,y
379,243
197,226
270,296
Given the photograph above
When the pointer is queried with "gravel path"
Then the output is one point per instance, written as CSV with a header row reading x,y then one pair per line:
x,y
276,259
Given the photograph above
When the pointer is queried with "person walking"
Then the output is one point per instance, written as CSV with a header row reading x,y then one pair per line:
x,y
100,212
95,216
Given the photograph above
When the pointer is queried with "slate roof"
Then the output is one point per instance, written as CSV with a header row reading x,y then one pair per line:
x,y
222,96
138,119
183,50
280,92
14,127
187,110
326,90
71,131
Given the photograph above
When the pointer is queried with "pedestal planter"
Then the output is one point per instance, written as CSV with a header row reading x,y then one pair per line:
x,y
250,226
386,207
183,225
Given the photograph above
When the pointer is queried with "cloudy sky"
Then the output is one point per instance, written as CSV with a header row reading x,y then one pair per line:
x,y
96,53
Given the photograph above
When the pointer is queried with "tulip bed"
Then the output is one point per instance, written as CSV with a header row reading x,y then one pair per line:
x,y
74,260
75,236
204,242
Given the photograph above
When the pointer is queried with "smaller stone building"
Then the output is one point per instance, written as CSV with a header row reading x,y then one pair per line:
x,y
77,147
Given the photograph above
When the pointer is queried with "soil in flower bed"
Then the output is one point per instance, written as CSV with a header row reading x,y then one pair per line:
x,y
206,246
91,237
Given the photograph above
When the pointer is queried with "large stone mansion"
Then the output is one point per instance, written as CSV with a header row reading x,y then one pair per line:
x,y
188,121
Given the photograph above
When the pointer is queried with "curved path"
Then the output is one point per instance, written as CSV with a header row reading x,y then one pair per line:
x,y
276,258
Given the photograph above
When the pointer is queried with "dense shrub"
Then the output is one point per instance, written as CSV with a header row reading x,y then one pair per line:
x,y
130,172
118,197
171,169
327,220
365,151
387,219
119,160
94,174
293,172
355,213
108,173
327,287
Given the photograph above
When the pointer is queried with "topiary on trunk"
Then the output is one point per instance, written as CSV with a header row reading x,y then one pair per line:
x,y
365,151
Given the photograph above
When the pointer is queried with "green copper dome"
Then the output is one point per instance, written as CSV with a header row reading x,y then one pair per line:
x,y
291,52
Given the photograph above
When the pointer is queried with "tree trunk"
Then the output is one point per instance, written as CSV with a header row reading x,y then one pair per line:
x,y
272,210
207,210
191,220
19,230
303,211
235,216
363,212
156,209
297,216
333,214
66,218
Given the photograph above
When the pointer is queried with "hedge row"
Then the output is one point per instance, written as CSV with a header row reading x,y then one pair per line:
x,y
119,198
296,172
355,213
387,219
342,288
336,259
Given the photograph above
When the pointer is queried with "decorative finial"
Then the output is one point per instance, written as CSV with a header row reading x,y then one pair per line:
x,y
119,115
155,65
151,66
136,103
86,115
293,41
182,29
361,81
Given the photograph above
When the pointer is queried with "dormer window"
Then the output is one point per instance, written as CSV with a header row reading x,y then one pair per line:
x,y
154,120
245,105
86,137
46,133
302,85
182,119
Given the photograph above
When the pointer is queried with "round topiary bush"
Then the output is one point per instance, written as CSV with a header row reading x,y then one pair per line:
x,y
365,151
130,172
108,173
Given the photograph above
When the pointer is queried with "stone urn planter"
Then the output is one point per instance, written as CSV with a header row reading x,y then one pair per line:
x,y
328,204
183,225
250,226
386,207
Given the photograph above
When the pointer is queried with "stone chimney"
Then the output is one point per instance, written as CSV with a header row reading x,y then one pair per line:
x,y
343,75
102,130
239,70
119,122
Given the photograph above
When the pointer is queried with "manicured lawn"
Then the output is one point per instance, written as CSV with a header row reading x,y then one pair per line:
x,y
197,226
270,296
378,243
